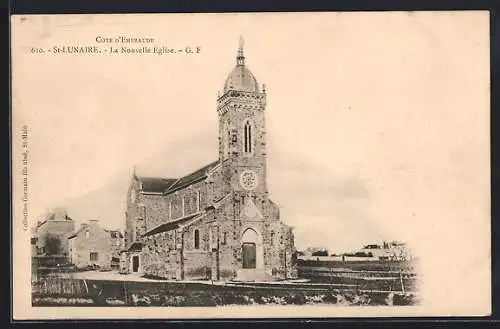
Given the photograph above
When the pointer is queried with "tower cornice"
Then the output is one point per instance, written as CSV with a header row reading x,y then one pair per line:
x,y
241,100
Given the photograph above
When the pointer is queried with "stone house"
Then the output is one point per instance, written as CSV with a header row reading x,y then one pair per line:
x,y
49,236
217,222
93,245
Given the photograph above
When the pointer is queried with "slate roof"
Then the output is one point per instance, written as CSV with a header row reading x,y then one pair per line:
x,y
169,226
74,234
40,223
136,246
192,177
156,184
169,185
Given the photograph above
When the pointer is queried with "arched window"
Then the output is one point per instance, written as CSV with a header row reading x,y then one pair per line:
x,y
247,137
196,239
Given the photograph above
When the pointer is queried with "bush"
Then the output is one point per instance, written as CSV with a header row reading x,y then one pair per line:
x,y
52,244
199,301
173,301
168,301
141,300
377,299
403,299
217,300
314,299
330,298
296,299
155,299
349,297
261,300
236,299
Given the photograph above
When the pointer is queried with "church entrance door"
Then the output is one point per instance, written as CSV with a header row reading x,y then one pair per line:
x,y
249,255
135,263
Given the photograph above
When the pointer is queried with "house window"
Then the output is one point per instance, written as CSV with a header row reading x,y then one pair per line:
x,y
198,200
87,234
94,257
248,137
272,238
170,210
196,239
224,238
117,242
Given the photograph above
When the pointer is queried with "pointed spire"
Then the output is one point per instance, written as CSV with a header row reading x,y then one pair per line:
x,y
240,59
134,174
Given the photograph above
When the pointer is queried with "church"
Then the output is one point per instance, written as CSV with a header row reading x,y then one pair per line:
x,y
218,222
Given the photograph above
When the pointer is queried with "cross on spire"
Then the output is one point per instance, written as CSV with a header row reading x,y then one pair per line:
x,y
240,59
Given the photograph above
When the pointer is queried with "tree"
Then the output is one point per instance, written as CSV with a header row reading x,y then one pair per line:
x,y
52,244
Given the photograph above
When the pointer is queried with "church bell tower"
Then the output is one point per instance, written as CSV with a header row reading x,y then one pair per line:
x,y
242,142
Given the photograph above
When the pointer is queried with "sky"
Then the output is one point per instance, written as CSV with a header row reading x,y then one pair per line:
x,y
368,137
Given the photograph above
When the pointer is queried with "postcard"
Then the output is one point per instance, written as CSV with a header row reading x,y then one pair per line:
x,y
251,165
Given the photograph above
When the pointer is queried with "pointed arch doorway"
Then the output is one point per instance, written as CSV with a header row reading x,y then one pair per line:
x,y
251,249
249,255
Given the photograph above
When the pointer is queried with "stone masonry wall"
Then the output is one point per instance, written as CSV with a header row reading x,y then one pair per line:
x,y
98,241
160,209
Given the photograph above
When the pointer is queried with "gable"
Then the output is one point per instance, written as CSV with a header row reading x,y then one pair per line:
x,y
250,210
